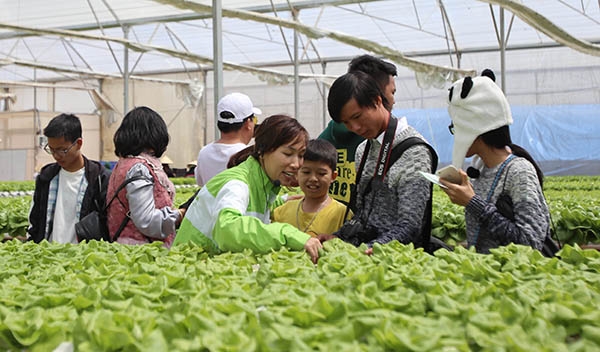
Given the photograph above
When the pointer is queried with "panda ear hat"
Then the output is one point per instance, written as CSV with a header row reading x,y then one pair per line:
x,y
476,106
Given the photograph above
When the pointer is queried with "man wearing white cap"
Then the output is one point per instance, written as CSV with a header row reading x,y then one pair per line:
x,y
236,120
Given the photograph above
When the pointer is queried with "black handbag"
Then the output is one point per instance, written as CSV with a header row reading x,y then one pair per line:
x,y
93,226
504,205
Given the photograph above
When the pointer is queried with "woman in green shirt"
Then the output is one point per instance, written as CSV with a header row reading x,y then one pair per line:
x,y
231,213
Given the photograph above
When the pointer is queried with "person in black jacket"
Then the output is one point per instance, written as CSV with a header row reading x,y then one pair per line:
x,y
69,189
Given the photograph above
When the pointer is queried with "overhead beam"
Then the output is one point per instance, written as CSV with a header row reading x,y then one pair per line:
x,y
317,33
264,74
85,73
544,25
42,85
284,6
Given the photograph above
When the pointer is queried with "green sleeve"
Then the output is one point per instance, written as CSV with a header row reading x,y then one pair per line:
x,y
235,232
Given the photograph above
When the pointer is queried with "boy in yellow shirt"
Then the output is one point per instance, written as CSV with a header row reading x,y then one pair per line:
x,y
316,213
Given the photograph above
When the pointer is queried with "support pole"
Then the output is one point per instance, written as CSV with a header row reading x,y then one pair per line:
x,y
502,51
324,90
296,70
217,59
37,123
125,73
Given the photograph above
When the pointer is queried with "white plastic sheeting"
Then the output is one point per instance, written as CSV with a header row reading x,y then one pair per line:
x,y
563,139
176,34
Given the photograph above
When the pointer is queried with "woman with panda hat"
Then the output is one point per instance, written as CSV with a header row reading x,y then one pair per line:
x,y
504,202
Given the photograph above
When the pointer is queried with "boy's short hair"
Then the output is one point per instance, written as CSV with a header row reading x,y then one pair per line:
x,y
67,126
322,151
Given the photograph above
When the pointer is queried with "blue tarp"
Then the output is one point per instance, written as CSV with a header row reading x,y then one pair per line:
x,y
563,139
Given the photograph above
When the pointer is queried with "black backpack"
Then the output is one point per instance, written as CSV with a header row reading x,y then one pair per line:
x,y
427,242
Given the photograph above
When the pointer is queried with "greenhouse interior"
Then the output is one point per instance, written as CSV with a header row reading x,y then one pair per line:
x,y
86,57
100,59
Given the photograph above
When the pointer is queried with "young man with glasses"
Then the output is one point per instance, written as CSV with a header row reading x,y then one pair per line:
x,y
68,189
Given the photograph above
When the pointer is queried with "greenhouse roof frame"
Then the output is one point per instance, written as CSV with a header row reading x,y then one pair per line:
x,y
50,41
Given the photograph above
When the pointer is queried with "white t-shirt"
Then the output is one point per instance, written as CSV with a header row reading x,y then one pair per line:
x,y
213,158
63,229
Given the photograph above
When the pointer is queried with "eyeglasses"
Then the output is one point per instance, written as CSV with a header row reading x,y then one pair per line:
x,y
451,127
63,152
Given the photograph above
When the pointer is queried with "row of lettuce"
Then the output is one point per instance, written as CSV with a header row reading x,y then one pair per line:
x,y
574,204
102,296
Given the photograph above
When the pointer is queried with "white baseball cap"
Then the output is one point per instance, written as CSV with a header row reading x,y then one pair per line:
x,y
239,105
476,106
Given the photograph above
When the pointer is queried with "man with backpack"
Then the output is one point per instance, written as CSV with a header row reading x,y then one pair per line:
x,y
393,201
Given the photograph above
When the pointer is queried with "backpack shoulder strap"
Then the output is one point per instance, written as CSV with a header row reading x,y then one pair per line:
x,y
124,184
353,188
397,152
399,149
126,218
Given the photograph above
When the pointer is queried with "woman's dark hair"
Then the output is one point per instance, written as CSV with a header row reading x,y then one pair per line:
x,y
278,130
142,129
323,151
67,126
355,85
275,131
500,137
240,157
